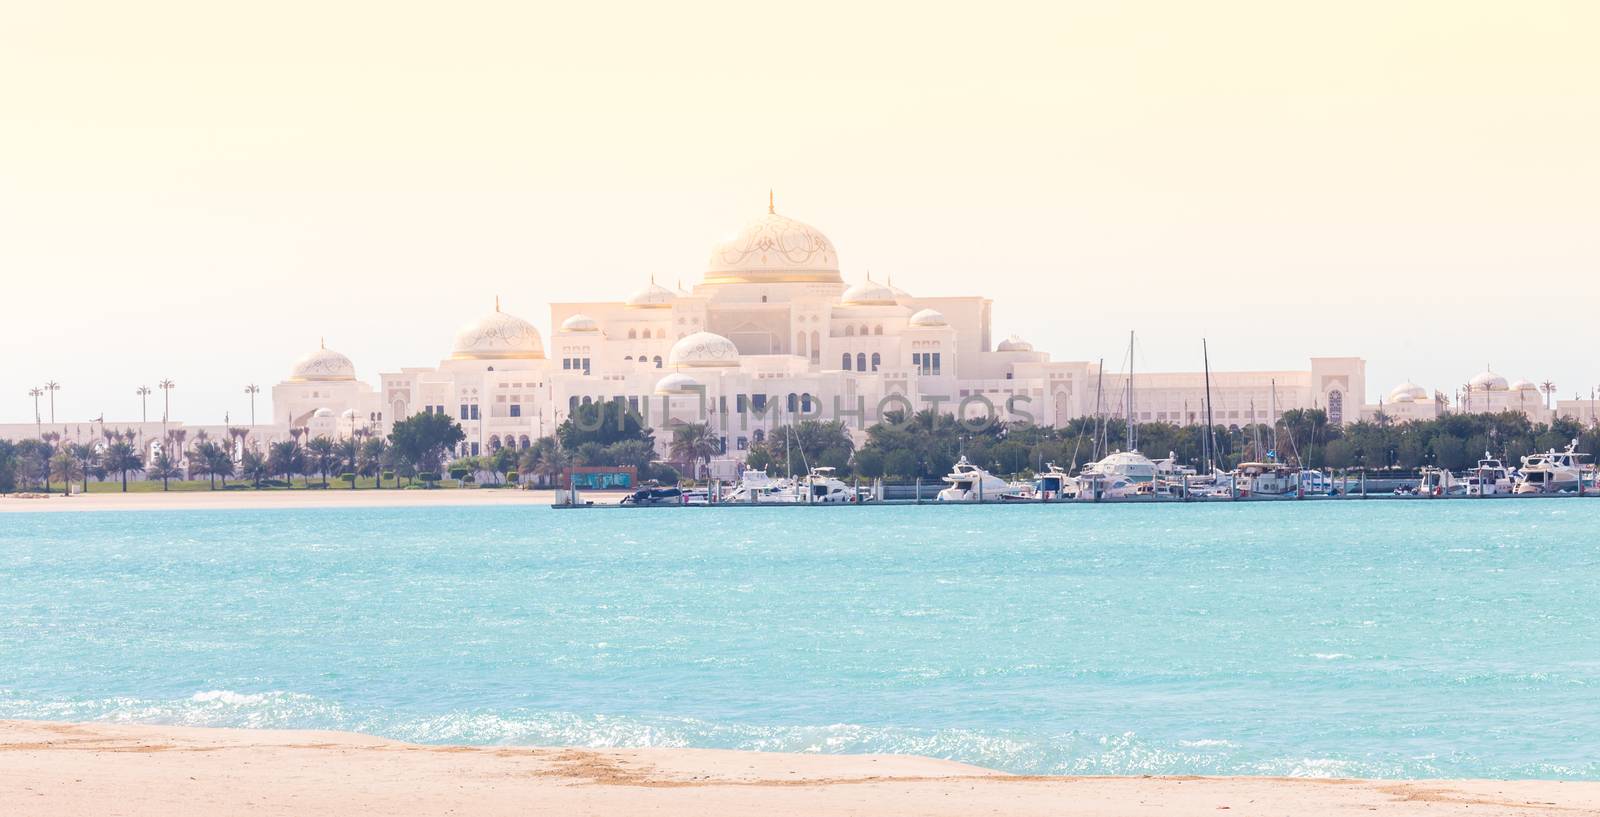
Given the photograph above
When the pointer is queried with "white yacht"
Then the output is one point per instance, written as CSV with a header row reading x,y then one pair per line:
x,y
1267,479
1440,482
1119,475
969,483
1550,472
1490,478
821,486
1052,483
755,485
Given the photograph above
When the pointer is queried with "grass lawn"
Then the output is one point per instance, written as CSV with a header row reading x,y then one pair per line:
x,y
144,486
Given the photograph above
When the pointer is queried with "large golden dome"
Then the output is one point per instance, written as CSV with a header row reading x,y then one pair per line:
x,y
774,249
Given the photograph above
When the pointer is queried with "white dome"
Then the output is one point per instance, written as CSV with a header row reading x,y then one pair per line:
x,y
321,365
1408,392
580,323
774,249
349,414
703,349
322,413
928,317
1015,344
1488,381
498,336
677,384
869,293
653,296
1524,385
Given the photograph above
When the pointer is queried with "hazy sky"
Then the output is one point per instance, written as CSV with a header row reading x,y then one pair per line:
x,y
201,190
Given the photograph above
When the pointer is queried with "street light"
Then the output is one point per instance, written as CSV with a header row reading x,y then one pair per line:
x,y
38,423
252,390
144,403
52,387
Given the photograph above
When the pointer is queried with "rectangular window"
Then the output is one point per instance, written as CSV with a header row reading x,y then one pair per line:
x,y
935,362
566,363
758,402
474,411
516,409
585,365
474,449
741,403
463,411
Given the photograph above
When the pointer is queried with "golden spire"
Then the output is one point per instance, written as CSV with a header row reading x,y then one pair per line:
x,y
497,303
771,209
322,343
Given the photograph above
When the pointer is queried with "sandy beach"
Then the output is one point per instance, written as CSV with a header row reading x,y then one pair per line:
x,y
121,769
320,498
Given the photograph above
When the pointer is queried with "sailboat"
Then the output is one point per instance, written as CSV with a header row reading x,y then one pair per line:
x,y
1120,474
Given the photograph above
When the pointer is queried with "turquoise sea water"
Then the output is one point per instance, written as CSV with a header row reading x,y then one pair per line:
x,y
1387,639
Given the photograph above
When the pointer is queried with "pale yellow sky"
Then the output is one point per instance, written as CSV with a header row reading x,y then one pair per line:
x,y
201,190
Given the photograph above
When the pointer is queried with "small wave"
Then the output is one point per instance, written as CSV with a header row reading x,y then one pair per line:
x,y
1331,656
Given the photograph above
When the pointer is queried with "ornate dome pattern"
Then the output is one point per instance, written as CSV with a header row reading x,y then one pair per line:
x,y
1488,381
677,384
703,350
1408,392
869,293
323,365
1014,344
774,249
580,323
653,296
929,317
499,336
1524,385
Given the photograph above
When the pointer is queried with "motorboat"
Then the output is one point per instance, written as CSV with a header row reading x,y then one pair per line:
x,y
1551,472
1053,483
821,486
1117,476
1490,478
1267,480
1440,482
755,485
654,496
969,483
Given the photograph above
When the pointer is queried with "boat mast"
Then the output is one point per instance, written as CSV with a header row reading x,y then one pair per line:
x,y
1208,440
1133,440
1099,411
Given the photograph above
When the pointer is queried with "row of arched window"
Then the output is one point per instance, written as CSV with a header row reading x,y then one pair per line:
x,y
860,362
645,360
495,443
636,334
850,331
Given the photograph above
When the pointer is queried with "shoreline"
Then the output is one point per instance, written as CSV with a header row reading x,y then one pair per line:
x,y
54,768
273,499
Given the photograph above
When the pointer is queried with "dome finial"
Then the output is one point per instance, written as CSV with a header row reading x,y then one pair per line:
x,y
322,343
497,303
771,206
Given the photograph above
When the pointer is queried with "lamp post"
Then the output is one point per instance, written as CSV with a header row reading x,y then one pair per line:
x,y
144,403
38,423
166,387
52,387
252,390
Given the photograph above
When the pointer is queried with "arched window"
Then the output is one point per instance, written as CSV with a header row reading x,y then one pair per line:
x,y
657,361
863,329
877,330
816,347
524,442
849,331
1336,407
800,343
586,400
759,435
633,334
494,442
805,402
861,361
572,404
627,357
793,403
876,361
661,334
844,362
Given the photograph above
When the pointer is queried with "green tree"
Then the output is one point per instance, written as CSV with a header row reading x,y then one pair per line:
x,y
286,459
253,466
421,440
120,458
605,422
369,463
163,468
322,455
66,467
694,443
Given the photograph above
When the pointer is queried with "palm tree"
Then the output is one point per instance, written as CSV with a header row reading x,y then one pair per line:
x,y
322,456
120,458
164,468
200,461
219,461
253,466
369,463
66,467
285,458
1549,390
693,443
90,459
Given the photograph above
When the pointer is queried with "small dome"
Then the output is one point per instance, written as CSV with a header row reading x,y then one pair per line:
x,y
1524,385
654,296
1408,392
322,413
498,336
580,323
702,350
928,317
677,384
774,249
869,293
1488,381
1015,344
349,414
322,365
